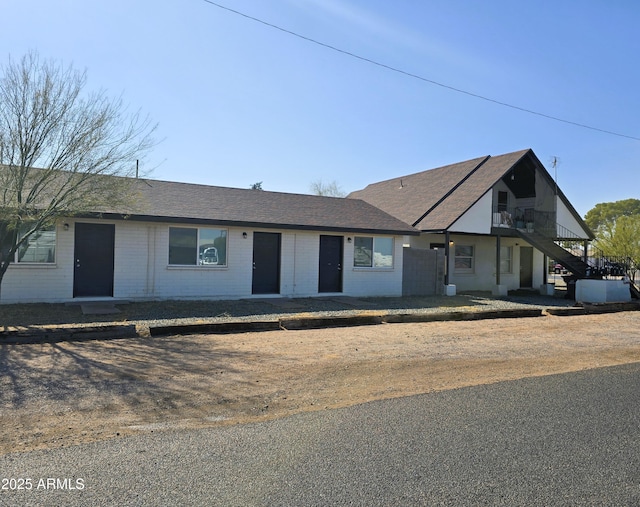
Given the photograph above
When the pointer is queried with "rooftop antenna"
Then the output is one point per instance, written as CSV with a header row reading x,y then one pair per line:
x,y
554,163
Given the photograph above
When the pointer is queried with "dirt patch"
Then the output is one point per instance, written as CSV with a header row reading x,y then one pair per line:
x,y
61,394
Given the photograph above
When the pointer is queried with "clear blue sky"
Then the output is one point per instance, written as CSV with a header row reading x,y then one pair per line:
x,y
239,102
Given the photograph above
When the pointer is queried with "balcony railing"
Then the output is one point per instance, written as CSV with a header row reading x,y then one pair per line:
x,y
531,220
525,219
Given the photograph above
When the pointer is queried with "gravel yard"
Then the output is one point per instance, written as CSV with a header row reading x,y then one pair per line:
x,y
159,313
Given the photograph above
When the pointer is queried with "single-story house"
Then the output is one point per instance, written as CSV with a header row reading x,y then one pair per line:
x,y
181,241
497,219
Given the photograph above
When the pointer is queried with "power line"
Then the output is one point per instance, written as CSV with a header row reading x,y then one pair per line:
x,y
421,78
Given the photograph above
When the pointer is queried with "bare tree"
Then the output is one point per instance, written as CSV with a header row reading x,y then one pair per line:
x,y
60,150
332,189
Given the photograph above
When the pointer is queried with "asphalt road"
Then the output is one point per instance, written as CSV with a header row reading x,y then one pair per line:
x,y
570,439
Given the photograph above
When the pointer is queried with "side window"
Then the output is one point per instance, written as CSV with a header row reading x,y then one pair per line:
x,y
212,247
40,248
383,253
363,252
183,246
373,252
464,261
506,256
197,247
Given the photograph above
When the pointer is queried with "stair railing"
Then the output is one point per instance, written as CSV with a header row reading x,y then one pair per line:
x,y
544,223
611,265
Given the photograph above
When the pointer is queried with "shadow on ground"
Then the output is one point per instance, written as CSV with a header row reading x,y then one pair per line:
x,y
129,373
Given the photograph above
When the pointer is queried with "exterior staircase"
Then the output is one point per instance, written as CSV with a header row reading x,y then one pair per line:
x,y
541,231
548,246
574,264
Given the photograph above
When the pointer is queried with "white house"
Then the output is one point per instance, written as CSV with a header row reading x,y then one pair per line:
x,y
497,218
181,241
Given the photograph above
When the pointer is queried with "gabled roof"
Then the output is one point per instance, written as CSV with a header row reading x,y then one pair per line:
x,y
469,190
203,204
410,197
433,200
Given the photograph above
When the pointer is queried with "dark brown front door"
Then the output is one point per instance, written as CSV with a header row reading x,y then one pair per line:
x,y
94,253
526,267
330,269
266,263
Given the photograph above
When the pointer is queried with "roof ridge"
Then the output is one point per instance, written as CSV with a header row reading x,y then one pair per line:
x,y
422,172
523,151
150,181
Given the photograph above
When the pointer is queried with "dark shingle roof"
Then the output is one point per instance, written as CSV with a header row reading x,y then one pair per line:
x,y
433,200
184,202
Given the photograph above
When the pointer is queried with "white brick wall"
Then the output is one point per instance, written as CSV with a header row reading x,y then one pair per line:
x,y
299,267
165,282
373,282
142,270
35,283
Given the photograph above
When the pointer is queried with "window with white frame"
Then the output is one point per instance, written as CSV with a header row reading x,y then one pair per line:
x,y
373,252
464,258
191,246
39,248
506,259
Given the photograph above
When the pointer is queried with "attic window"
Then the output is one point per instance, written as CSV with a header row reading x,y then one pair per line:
x,y
521,180
503,200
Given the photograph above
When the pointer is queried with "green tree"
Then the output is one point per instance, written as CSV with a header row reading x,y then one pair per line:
x,y
60,149
621,238
606,213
